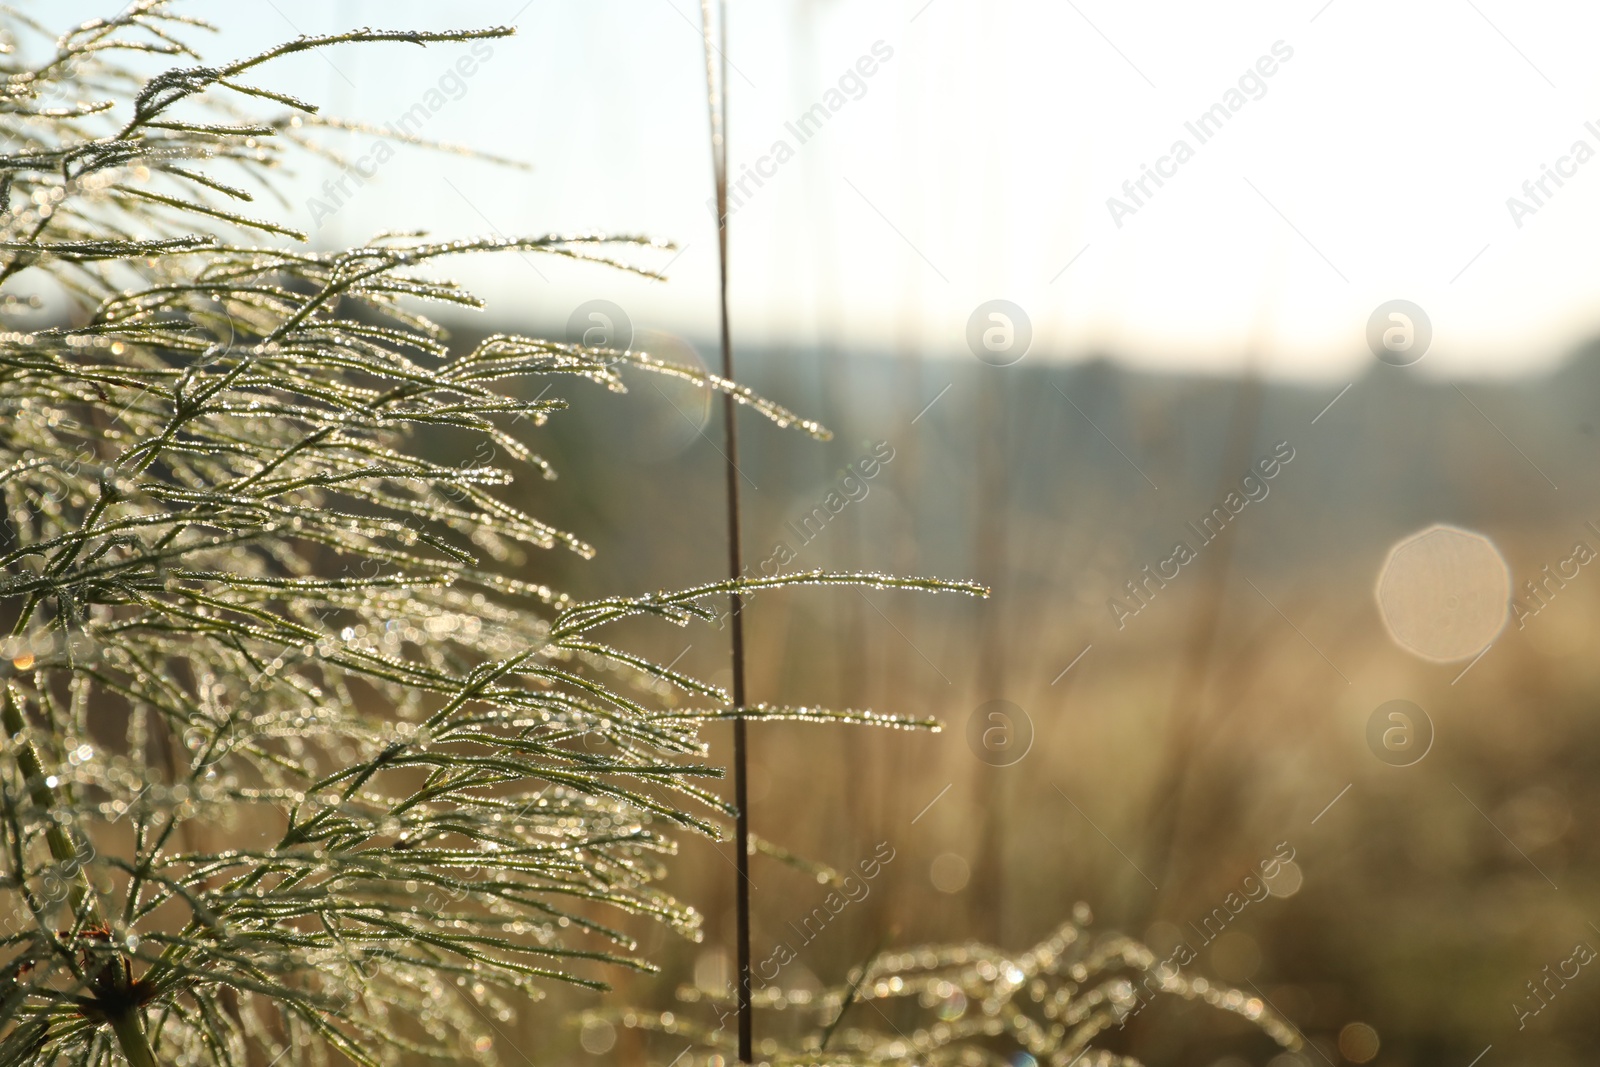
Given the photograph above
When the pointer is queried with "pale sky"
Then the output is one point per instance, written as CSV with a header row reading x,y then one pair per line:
x,y
977,160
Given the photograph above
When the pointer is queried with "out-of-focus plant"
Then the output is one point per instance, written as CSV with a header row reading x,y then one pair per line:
x,y
970,1005
296,755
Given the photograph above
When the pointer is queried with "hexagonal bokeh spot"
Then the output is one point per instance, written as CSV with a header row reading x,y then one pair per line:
x,y
1444,593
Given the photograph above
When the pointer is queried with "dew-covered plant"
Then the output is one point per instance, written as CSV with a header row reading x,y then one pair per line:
x,y
299,754
968,1005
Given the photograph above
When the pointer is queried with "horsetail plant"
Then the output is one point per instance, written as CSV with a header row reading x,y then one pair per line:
x,y
970,1005
300,757
714,31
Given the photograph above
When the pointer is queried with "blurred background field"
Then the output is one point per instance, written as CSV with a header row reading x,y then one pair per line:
x,y
1179,752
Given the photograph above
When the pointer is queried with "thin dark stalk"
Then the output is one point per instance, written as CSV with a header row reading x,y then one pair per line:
x,y
992,540
850,995
716,94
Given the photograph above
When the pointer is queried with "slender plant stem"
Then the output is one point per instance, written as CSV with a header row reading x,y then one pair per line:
x,y
62,848
131,1038
717,87
126,1024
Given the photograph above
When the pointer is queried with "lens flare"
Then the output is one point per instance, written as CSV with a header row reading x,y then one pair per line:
x,y
1444,593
